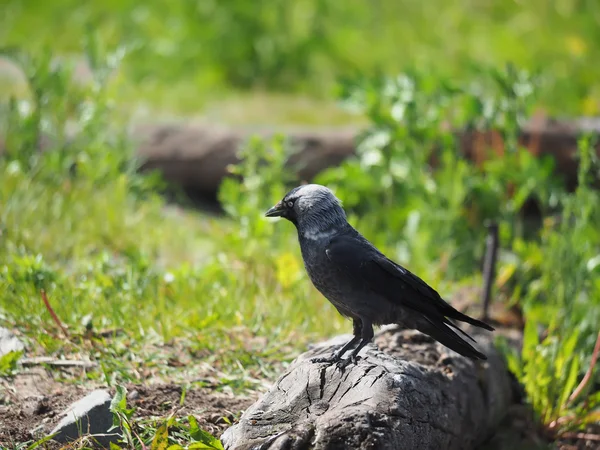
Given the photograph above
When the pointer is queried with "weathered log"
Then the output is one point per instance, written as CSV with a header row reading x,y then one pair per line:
x,y
196,156
409,393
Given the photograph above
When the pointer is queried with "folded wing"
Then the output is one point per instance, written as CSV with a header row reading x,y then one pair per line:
x,y
360,260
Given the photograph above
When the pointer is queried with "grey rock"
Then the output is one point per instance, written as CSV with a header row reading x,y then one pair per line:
x,y
9,342
90,415
409,393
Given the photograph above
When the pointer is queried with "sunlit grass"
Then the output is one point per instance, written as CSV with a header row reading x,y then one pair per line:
x,y
158,276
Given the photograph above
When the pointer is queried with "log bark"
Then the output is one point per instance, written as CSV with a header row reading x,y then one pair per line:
x,y
410,392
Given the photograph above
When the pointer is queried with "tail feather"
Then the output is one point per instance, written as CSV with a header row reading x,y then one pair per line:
x,y
448,337
457,315
457,328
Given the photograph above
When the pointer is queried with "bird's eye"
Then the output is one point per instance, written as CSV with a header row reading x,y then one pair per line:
x,y
290,204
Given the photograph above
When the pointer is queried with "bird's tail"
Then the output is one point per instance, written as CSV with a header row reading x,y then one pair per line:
x,y
442,333
457,315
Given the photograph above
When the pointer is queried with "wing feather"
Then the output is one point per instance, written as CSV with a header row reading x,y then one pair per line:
x,y
361,260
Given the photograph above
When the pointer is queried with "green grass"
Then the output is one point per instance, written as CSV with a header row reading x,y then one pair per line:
x,y
77,223
160,276
183,56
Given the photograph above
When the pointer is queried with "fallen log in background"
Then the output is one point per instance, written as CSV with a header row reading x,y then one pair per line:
x,y
196,156
412,393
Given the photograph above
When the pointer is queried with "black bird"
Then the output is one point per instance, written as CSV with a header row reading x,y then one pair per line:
x,y
361,282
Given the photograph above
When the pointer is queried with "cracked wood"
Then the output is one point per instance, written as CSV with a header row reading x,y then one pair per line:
x,y
410,393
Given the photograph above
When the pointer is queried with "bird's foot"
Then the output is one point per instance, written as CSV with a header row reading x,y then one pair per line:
x,y
343,363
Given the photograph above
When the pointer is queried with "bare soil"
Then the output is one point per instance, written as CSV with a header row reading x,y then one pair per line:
x,y
31,405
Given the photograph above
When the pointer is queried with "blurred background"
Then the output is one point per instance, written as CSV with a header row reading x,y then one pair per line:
x,y
183,56
455,117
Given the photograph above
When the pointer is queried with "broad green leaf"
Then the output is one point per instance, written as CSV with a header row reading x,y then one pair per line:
x,y
161,438
119,401
203,438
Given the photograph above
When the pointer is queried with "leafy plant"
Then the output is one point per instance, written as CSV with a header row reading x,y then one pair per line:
x,y
259,180
567,308
122,416
8,362
409,164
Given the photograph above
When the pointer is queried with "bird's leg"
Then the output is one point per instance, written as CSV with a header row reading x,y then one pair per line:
x,y
366,337
337,355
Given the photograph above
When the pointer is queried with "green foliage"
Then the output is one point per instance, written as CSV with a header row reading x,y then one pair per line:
x,y
8,362
60,114
139,284
131,278
203,439
407,175
306,44
260,180
407,164
174,434
170,434
562,295
122,416
547,370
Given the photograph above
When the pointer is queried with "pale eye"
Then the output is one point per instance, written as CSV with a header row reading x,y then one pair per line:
x,y
290,204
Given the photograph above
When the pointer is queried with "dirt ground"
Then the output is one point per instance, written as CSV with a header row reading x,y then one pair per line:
x,y
31,405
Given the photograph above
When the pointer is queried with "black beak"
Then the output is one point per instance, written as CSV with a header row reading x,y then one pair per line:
x,y
275,211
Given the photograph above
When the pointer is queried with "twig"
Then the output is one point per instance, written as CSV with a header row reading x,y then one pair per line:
x,y
489,267
52,313
561,420
588,375
586,436
99,334
36,361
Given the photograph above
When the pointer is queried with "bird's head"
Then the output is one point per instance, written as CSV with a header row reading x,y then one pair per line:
x,y
310,206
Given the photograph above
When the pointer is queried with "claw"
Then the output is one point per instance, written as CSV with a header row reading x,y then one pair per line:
x,y
343,363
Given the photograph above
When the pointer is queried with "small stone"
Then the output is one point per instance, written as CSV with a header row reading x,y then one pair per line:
x,y
9,342
133,395
33,406
89,416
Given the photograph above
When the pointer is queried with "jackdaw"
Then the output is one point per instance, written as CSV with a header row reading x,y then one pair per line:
x,y
361,282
